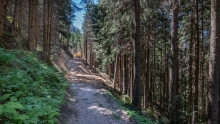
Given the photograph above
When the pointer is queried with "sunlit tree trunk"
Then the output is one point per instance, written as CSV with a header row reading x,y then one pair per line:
x,y
214,64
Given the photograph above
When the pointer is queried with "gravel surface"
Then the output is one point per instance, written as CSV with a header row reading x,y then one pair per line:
x,y
87,101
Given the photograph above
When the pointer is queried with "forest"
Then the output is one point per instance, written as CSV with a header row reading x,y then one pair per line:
x,y
163,55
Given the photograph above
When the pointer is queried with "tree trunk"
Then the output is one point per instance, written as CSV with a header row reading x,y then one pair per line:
x,y
196,66
30,26
14,21
126,80
120,73
124,91
116,71
109,71
137,54
50,18
20,23
2,2
45,40
191,70
131,85
35,23
86,46
153,82
147,71
173,74
214,64
203,99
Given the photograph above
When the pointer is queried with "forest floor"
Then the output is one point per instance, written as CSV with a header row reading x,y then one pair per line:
x,y
87,99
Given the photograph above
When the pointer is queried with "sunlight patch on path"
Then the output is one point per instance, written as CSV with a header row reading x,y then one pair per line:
x,y
89,102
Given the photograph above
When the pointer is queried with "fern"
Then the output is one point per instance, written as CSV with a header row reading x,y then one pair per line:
x,y
3,83
4,97
31,92
9,112
5,58
1,109
13,105
22,117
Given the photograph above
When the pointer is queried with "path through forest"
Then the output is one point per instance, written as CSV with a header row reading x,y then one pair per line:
x,y
87,100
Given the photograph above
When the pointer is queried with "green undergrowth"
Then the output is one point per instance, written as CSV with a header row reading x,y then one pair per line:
x,y
30,91
131,112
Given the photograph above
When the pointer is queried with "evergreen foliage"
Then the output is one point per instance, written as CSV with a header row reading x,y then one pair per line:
x,y
110,28
76,40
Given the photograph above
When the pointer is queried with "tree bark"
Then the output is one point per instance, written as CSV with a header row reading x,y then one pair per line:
x,y
45,39
137,54
50,18
31,24
126,80
203,94
173,74
196,66
20,23
14,21
124,91
109,71
2,2
116,71
120,72
146,99
214,64
86,49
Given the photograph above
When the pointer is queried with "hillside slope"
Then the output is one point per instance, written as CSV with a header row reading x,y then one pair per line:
x,y
31,91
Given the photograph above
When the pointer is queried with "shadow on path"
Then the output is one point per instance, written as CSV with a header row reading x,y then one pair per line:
x,y
87,101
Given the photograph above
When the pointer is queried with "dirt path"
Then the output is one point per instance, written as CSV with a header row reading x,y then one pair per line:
x,y
87,99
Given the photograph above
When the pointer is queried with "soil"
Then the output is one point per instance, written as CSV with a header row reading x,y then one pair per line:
x,y
87,101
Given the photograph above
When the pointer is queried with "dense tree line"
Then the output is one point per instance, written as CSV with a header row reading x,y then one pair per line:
x,y
76,39
32,91
163,54
36,25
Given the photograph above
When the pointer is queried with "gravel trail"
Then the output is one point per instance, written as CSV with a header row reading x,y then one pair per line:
x,y
87,100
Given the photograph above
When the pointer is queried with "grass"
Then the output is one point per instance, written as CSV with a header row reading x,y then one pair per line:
x,y
31,91
131,112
